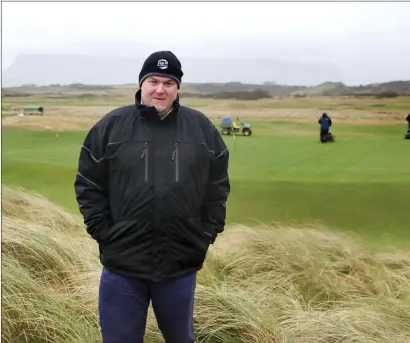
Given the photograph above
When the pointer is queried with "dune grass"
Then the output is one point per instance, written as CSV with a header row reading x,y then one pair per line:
x,y
266,285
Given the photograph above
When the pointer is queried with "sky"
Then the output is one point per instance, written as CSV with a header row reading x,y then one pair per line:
x,y
347,34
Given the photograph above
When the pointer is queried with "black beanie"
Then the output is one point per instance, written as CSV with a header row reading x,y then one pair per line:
x,y
162,63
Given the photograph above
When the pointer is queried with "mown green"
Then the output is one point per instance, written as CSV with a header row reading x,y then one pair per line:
x,y
282,174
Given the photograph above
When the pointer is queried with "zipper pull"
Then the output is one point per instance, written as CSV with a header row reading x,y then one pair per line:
x,y
174,152
144,151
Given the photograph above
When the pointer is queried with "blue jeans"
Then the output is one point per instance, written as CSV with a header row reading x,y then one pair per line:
x,y
123,305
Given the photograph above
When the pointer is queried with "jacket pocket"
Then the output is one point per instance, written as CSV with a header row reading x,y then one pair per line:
x,y
130,174
191,161
129,158
187,232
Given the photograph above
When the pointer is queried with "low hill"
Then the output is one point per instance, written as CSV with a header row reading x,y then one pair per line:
x,y
327,88
338,88
261,285
214,90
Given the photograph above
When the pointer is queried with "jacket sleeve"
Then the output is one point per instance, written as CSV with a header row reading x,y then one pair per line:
x,y
91,182
218,189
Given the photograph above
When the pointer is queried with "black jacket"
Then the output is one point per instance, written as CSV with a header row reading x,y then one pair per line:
x,y
325,122
153,192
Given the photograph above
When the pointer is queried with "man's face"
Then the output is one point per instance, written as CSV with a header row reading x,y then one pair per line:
x,y
159,92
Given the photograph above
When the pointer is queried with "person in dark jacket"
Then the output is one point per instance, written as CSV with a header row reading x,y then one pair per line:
x,y
325,123
408,119
152,186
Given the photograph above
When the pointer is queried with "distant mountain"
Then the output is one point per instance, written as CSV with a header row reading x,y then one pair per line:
x,y
66,69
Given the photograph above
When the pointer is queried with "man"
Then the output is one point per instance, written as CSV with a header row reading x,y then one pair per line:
x,y
325,124
408,120
152,185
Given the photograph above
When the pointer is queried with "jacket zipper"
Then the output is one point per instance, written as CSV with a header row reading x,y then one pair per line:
x,y
144,156
176,159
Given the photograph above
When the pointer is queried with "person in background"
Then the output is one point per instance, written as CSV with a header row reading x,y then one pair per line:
x,y
408,119
325,123
152,186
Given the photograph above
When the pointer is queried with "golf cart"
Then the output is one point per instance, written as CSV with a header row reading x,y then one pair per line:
x,y
228,127
33,111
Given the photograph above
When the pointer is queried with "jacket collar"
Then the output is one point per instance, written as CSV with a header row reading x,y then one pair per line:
x,y
150,112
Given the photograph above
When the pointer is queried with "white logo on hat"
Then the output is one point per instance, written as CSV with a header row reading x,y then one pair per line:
x,y
162,64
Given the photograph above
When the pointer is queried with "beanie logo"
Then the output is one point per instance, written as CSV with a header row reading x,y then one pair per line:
x,y
162,64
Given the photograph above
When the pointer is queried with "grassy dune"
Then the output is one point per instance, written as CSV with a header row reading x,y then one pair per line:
x,y
265,285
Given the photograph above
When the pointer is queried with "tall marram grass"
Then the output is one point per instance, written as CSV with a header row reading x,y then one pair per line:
x,y
264,285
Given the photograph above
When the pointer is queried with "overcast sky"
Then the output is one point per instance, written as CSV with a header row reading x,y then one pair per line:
x,y
342,33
